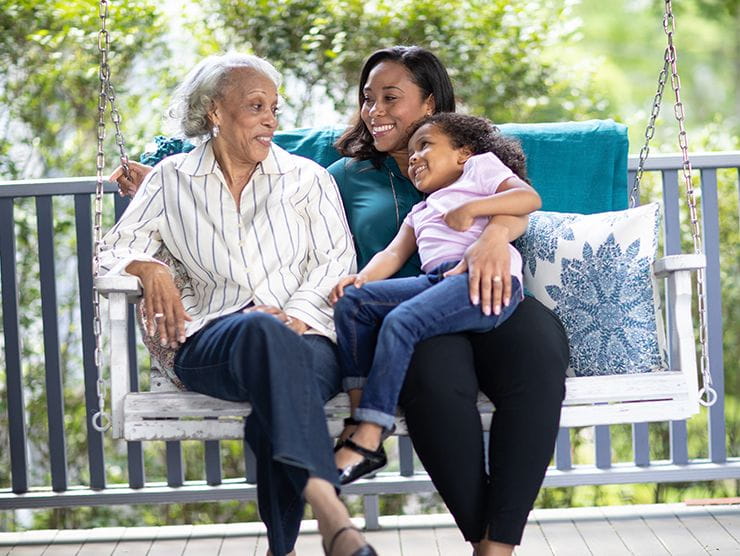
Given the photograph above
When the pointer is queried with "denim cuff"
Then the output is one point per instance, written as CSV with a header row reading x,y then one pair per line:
x,y
374,416
353,383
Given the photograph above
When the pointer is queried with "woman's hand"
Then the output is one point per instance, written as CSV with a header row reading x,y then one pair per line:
x,y
356,280
295,324
488,263
459,218
162,305
128,187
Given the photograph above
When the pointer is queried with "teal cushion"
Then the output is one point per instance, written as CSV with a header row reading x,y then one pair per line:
x,y
315,143
576,166
566,161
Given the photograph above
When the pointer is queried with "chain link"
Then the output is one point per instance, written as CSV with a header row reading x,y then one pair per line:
x,y
669,26
101,420
634,199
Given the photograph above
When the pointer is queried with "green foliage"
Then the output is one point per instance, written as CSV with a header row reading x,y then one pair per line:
x,y
497,51
533,61
49,77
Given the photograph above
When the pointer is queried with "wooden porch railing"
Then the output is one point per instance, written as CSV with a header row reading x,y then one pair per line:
x,y
57,215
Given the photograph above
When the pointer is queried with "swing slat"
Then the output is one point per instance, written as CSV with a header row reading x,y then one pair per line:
x,y
596,400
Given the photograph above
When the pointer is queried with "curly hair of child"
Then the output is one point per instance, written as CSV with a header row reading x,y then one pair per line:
x,y
479,135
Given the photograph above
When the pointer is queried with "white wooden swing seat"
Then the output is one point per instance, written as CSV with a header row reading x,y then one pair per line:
x,y
165,413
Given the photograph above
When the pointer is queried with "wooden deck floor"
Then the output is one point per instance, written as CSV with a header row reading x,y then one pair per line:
x,y
671,529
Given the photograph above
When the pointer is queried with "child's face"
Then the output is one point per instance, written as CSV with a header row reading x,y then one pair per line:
x,y
434,162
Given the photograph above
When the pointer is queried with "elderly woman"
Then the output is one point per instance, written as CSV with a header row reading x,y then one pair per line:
x,y
263,238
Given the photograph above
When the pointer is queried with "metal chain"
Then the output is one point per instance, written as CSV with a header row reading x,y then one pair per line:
x,y
634,198
101,420
707,390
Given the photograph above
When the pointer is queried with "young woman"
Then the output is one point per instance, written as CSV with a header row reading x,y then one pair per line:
x,y
470,173
519,365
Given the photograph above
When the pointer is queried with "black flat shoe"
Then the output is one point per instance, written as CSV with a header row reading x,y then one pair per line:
x,y
348,422
371,462
366,550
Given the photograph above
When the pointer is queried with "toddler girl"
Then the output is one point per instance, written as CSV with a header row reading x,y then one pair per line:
x,y
469,172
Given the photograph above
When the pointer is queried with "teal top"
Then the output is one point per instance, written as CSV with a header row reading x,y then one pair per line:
x,y
376,201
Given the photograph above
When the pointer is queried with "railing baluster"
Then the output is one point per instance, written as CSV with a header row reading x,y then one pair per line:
x,y
250,464
672,242
83,228
11,331
134,450
213,462
563,460
710,219
175,471
603,446
641,444
406,456
53,373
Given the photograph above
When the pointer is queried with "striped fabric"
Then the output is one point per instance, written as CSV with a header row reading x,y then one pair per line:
x,y
286,245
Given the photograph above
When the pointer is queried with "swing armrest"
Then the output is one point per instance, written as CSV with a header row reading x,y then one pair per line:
x,y
669,264
676,269
120,291
128,285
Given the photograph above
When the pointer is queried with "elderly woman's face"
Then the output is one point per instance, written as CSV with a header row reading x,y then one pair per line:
x,y
246,115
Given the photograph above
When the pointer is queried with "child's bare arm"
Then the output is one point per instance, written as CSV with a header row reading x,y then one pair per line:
x,y
514,197
384,264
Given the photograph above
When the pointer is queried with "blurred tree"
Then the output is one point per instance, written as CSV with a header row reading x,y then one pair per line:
x,y
49,78
494,49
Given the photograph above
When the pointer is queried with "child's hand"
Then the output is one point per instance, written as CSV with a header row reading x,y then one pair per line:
x,y
459,218
356,280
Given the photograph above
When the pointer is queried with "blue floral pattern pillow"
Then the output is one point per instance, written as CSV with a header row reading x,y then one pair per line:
x,y
596,272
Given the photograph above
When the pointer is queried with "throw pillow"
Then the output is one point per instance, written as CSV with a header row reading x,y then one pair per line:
x,y
595,271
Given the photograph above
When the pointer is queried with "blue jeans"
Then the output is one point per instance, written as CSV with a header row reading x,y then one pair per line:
x,y
379,324
287,378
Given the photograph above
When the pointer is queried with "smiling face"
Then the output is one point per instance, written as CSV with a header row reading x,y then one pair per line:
x,y
434,162
392,102
246,116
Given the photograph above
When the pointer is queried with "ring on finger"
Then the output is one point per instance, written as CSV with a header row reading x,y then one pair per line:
x,y
497,279
158,316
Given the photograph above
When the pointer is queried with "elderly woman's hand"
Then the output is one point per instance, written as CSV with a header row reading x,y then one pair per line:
x,y
295,324
488,263
162,305
137,172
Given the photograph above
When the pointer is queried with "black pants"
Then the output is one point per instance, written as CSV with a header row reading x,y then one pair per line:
x,y
520,366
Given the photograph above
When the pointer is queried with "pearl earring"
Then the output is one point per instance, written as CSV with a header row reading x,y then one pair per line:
x,y
215,131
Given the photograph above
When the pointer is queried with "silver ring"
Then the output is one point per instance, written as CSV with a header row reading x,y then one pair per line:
x,y
158,316
497,279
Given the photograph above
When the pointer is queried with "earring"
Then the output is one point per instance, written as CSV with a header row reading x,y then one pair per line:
x,y
215,130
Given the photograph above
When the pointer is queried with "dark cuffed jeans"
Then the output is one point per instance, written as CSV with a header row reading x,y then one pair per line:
x,y
379,325
287,378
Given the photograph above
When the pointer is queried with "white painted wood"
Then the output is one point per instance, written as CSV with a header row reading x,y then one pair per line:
x,y
710,534
633,531
729,518
563,537
664,266
533,541
175,415
677,539
598,534
120,383
450,542
417,542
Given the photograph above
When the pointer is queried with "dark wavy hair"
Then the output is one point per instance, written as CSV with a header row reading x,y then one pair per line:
x,y
479,135
427,72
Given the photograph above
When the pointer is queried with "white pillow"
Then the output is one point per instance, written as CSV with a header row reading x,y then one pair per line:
x,y
596,272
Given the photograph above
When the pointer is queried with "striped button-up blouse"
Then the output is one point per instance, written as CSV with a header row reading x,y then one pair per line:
x,y
286,245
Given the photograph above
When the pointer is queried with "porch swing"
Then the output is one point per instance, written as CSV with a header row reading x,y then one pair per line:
x,y
670,391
